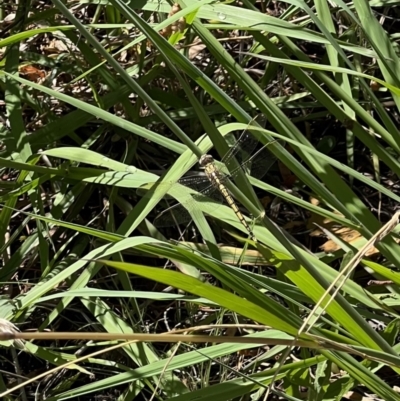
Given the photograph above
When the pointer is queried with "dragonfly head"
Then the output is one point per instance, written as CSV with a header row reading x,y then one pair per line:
x,y
205,159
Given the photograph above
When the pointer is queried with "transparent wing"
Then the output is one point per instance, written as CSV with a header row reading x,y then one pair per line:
x,y
246,143
178,213
197,182
261,162
174,215
258,164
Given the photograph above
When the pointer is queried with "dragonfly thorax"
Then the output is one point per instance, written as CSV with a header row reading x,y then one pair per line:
x,y
206,159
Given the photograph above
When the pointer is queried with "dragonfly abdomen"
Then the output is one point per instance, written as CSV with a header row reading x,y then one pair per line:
x,y
215,178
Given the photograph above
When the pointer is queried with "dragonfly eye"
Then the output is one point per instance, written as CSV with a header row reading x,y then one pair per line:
x,y
206,159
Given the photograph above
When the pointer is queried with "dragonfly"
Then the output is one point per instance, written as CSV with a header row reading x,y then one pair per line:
x,y
212,183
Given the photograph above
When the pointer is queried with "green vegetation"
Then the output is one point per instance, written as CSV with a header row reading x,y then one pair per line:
x,y
105,105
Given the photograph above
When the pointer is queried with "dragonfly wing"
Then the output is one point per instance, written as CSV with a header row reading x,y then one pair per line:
x,y
202,185
246,143
182,191
197,182
263,161
180,212
258,164
165,191
172,216
260,167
